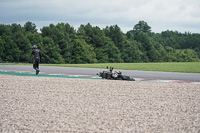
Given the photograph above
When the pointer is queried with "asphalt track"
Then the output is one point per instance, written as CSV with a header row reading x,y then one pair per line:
x,y
149,75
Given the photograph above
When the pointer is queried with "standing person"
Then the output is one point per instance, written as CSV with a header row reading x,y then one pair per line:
x,y
37,57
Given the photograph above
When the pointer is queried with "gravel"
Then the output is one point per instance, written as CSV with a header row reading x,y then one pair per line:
x,y
40,104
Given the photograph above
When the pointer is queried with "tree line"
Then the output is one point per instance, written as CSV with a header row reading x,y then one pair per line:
x,y
61,43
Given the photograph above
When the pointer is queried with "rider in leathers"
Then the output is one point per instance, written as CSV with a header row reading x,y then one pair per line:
x,y
37,57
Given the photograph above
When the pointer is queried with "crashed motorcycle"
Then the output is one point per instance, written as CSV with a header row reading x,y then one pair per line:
x,y
114,75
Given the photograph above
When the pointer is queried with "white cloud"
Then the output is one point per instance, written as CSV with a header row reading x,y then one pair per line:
x,y
180,15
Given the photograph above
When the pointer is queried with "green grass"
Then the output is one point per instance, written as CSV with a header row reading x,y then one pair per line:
x,y
186,67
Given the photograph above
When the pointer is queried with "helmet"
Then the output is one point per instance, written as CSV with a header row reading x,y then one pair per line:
x,y
34,47
115,74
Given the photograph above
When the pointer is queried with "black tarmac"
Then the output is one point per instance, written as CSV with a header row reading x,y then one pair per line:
x,y
150,75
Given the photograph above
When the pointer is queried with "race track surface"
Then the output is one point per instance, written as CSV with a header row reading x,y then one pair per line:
x,y
149,75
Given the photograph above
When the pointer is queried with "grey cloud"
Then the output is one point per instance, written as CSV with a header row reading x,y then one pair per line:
x,y
160,15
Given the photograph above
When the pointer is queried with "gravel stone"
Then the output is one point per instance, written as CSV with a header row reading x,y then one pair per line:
x,y
42,104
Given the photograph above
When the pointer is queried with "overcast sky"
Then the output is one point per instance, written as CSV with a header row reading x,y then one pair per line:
x,y
161,15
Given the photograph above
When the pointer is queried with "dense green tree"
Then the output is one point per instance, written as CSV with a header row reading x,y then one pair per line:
x,y
30,27
5,30
116,35
158,50
101,55
197,51
11,52
170,56
1,49
131,52
186,55
82,52
112,51
146,46
34,38
51,51
61,43
63,35
20,39
171,39
92,35
142,26
105,49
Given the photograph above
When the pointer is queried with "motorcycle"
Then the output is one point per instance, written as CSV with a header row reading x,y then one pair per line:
x,y
116,75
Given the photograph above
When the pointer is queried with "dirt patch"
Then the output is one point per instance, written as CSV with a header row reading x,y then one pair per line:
x,y
38,104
